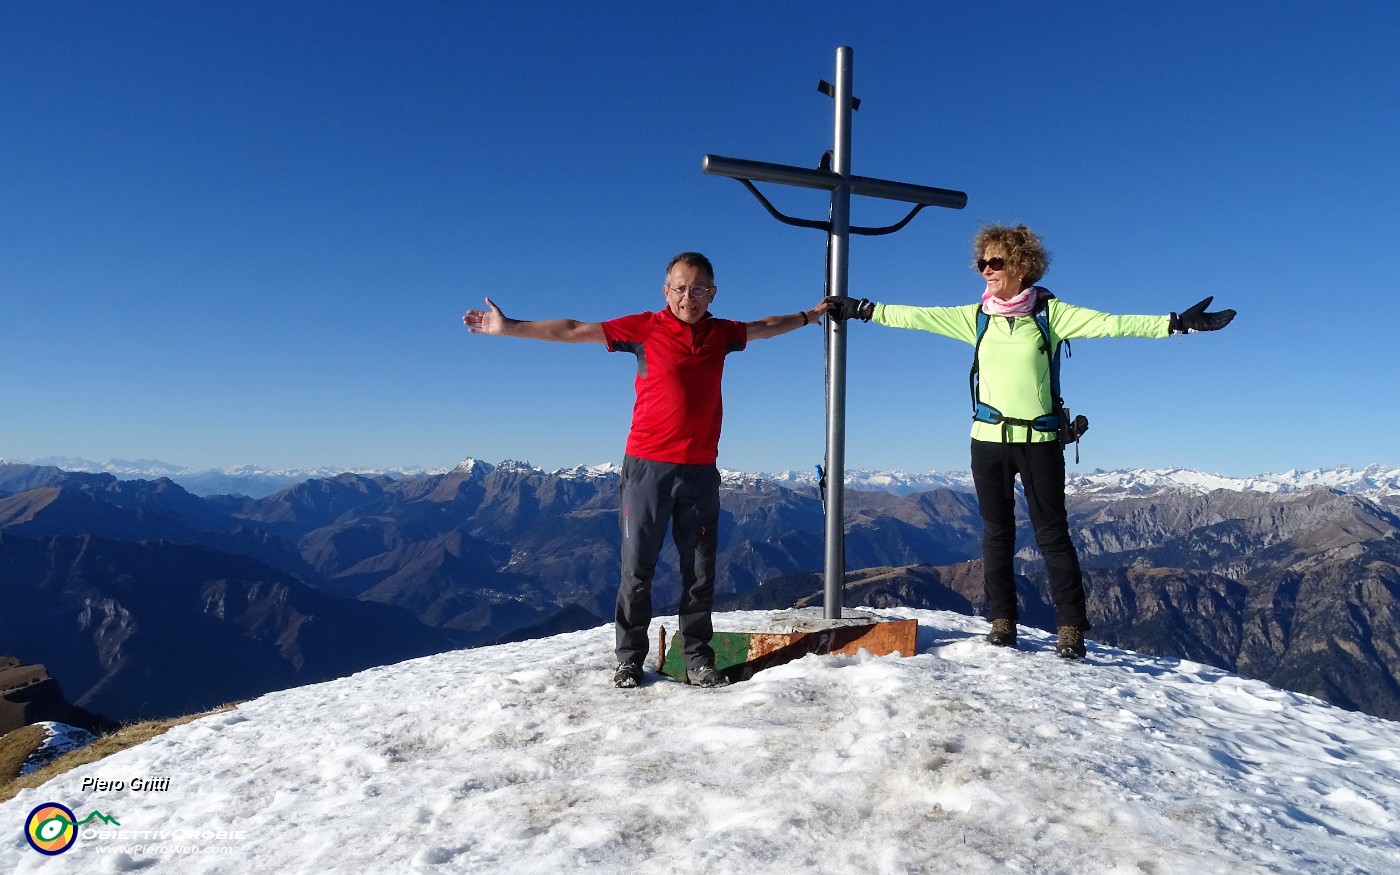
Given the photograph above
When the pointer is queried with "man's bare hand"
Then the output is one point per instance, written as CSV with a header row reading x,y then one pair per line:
x,y
491,321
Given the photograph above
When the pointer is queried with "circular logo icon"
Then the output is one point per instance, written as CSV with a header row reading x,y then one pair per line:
x,y
51,829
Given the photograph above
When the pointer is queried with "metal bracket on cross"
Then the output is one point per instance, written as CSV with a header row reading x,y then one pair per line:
x,y
834,174
824,178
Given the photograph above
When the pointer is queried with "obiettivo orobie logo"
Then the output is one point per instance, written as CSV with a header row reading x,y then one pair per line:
x,y
52,828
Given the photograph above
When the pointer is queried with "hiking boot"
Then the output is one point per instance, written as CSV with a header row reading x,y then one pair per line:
x,y
706,676
1003,633
1071,643
629,676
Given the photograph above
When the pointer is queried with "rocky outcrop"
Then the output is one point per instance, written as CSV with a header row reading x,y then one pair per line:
x,y
28,695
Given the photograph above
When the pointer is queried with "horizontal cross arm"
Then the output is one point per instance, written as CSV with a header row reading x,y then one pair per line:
x,y
922,195
744,169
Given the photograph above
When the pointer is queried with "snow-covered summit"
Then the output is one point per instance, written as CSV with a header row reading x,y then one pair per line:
x,y
964,757
471,466
897,482
743,479
586,472
1375,482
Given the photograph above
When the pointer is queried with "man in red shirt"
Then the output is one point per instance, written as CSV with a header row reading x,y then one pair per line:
x,y
669,476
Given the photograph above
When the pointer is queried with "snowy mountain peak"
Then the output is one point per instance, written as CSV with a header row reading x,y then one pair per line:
x,y
588,472
897,482
473,467
1376,481
741,479
513,466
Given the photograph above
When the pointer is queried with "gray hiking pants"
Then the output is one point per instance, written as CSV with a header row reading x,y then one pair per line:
x,y
685,497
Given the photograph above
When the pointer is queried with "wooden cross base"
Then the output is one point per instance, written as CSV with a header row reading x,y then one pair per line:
x,y
738,655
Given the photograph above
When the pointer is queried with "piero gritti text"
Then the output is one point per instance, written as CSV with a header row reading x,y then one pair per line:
x,y
135,785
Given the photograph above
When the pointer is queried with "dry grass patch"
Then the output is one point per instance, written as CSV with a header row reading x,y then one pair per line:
x,y
11,782
15,748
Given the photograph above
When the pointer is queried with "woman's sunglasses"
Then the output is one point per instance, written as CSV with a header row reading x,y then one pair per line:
x,y
993,263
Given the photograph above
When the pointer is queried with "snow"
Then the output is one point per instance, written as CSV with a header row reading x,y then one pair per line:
x,y
1375,482
590,472
896,482
471,465
60,738
961,758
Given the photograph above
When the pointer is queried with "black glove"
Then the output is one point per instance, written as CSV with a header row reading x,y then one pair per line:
x,y
842,309
1197,319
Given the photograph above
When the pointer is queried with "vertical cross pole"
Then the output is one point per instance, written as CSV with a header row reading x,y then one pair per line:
x,y
835,177
838,252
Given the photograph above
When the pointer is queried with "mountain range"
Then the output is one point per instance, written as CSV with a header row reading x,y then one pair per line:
x,y
1377,482
134,592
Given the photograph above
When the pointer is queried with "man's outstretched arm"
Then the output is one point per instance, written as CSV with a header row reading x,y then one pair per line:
x,y
493,321
772,326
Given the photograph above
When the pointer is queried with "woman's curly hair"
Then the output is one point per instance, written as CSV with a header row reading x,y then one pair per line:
x,y
1024,252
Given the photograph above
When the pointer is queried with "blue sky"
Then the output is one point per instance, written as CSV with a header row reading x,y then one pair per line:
x,y
245,232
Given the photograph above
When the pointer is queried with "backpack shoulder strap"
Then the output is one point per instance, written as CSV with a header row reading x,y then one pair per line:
x,y
982,320
1051,347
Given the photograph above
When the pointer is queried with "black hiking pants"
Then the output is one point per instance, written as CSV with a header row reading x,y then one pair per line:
x,y
1042,470
656,495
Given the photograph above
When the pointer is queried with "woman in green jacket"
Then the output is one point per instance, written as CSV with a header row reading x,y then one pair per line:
x,y
1017,427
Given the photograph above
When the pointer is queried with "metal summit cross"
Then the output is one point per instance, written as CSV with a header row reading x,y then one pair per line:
x,y
834,174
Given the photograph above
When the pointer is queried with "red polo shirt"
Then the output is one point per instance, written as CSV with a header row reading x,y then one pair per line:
x,y
678,411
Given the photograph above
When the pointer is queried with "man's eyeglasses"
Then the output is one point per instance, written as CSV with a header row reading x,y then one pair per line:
x,y
693,291
993,263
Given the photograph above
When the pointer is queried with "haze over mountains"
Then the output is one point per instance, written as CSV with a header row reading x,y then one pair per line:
x,y
131,591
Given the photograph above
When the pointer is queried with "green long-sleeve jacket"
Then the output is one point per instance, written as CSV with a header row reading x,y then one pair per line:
x,y
1013,371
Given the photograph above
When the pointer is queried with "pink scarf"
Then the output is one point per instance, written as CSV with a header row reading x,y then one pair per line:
x,y
1021,305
